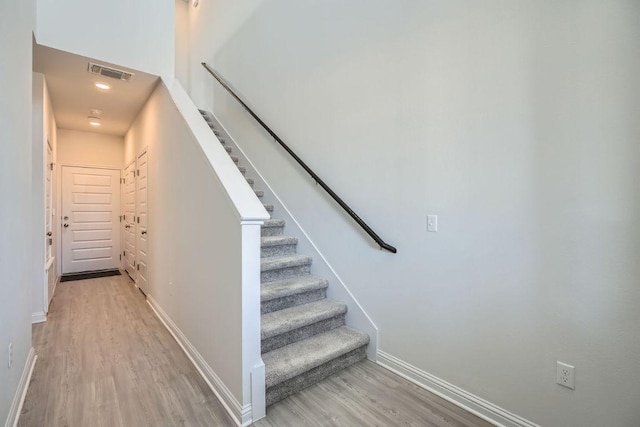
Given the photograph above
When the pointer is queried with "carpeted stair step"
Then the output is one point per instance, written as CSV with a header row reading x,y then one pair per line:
x,y
235,159
273,227
250,181
284,267
287,293
291,368
284,327
268,208
228,149
271,246
242,169
259,193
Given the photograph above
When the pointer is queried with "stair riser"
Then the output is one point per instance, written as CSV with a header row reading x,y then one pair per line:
x,y
269,251
302,333
284,273
272,231
292,300
285,389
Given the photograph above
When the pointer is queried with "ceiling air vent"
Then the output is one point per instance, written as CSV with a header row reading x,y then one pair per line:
x,y
110,72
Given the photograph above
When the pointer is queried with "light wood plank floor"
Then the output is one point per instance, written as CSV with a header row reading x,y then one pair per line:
x,y
366,394
104,359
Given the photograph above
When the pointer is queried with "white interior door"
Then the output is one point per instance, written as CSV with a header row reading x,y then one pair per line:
x,y
90,219
142,212
129,198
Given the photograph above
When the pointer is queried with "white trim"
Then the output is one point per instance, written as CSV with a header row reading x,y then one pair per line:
x,y
459,397
38,317
78,165
21,392
49,263
53,292
230,403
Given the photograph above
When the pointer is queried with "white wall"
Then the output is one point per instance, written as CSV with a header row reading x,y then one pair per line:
x,y
199,236
90,149
44,129
182,43
516,123
135,34
16,22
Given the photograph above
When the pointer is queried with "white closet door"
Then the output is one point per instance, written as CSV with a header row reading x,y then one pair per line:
x,y
142,211
129,201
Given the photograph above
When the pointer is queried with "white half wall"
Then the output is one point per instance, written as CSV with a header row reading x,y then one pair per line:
x,y
90,149
204,246
135,34
17,20
515,122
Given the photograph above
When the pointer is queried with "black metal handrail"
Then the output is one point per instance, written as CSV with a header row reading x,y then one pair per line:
x,y
352,214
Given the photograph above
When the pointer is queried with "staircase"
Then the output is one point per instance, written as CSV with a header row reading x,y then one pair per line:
x,y
304,337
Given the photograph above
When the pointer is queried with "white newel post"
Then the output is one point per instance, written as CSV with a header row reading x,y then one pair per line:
x,y
253,375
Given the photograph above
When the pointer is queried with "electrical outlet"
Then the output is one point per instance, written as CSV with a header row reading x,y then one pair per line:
x,y
10,355
566,375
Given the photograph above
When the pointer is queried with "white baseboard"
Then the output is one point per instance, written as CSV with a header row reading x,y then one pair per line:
x,y
21,392
53,291
38,317
240,414
459,397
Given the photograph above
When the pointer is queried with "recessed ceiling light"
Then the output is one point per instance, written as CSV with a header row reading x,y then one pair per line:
x,y
94,121
103,86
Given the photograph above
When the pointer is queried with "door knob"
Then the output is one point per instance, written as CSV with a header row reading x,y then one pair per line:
x,y
66,225
127,226
143,232
49,233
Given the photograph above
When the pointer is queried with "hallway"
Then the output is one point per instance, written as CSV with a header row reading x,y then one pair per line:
x,y
104,359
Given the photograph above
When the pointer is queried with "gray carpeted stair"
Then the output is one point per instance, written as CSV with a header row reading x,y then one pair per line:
x,y
304,337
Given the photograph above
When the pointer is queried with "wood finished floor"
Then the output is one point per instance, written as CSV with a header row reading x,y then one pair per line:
x,y
104,359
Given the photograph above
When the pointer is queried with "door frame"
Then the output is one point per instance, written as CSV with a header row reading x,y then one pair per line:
x,y
58,169
49,258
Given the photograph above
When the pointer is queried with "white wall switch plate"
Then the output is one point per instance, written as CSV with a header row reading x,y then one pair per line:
x,y
432,223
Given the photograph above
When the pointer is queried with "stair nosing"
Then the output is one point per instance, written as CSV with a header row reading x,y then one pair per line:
x,y
271,241
299,316
293,286
284,261
288,364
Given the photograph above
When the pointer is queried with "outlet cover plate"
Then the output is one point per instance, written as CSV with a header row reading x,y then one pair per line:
x,y
566,375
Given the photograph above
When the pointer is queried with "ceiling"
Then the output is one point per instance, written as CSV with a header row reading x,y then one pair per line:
x,y
74,95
